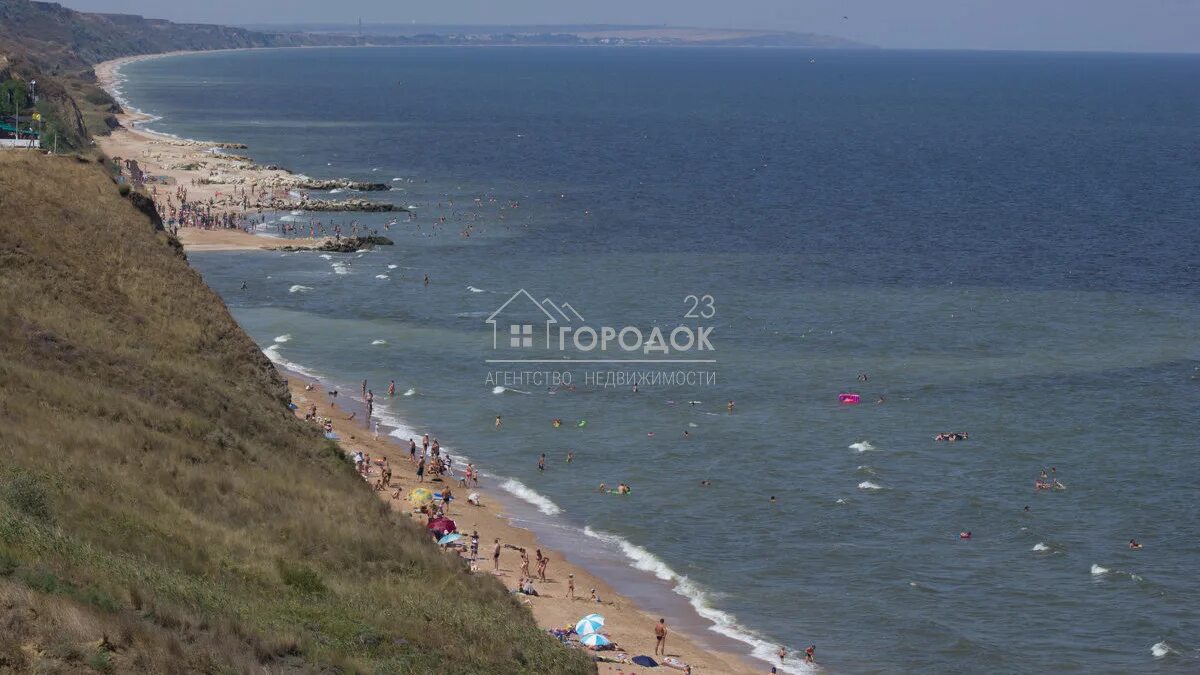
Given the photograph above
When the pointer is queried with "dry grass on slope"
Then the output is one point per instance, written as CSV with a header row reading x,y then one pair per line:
x,y
160,508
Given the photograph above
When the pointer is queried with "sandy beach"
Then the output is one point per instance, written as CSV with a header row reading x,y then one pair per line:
x,y
628,626
211,172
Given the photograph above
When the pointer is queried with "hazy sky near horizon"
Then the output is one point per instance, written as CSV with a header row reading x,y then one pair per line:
x,y
1105,25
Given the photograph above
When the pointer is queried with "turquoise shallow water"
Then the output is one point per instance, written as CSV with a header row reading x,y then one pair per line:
x,y
1006,243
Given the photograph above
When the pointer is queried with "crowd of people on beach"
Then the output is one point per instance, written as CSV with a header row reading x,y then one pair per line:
x,y
429,461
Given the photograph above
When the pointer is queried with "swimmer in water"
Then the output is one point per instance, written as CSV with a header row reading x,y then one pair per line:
x,y
729,406
1134,545
498,422
964,535
570,456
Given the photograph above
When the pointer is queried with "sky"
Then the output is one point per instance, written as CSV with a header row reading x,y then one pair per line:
x,y
1094,25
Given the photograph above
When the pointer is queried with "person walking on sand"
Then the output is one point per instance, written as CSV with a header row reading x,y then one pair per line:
x,y
571,586
421,471
496,556
660,637
524,563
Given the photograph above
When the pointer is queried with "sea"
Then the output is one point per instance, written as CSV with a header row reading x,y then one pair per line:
x,y
1003,245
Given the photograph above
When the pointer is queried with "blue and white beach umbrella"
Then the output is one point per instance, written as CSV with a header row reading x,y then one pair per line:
x,y
595,640
589,624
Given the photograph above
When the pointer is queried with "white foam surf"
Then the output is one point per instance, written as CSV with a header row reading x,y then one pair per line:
x,y
391,267
1098,571
297,288
1040,547
283,338
868,485
1161,649
697,596
272,353
340,268
410,392
475,290
542,502
382,276
379,342
326,256
862,446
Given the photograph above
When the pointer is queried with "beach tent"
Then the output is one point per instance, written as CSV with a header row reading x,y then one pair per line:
x,y
595,640
644,661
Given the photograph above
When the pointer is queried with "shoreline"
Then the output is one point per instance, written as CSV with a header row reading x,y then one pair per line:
x,y
157,150
628,624
226,186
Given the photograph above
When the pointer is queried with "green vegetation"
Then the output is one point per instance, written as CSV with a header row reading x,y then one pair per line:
x,y
161,510
13,94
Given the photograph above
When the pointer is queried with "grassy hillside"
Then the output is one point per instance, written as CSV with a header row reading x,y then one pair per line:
x,y
161,510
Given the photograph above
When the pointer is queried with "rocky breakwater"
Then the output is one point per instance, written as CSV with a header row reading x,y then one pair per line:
x,y
343,245
299,182
328,205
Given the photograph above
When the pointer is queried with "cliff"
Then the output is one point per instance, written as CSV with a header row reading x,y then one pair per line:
x,y
161,508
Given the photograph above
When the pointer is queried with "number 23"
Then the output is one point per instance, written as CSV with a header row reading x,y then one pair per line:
x,y
706,305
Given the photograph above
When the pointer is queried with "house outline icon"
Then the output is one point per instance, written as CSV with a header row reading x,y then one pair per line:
x,y
521,334
566,311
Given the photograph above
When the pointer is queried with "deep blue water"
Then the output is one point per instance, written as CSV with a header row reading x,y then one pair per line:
x,y
1007,244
